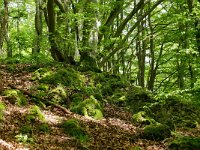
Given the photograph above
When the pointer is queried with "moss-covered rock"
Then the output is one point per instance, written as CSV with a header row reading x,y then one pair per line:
x,y
119,99
175,112
15,97
64,76
137,98
185,143
141,118
89,107
156,131
41,73
109,83
58,94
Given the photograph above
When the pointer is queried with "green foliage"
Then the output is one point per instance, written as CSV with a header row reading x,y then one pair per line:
x,y
44,128
109,83
73,128
15,96
39,58
34,114
13,60
43,87
2,108
41,73
66,77
58,94
89,107
23,138
141,118
185,143
26,129
156,132
175,111
119,99
137,98
136,148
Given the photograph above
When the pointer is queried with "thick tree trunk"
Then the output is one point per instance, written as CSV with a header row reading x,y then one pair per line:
x,y
55,52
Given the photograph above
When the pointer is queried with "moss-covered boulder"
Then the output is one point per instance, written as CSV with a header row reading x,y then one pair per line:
x,y
156,131
138,97
119,99
58,94
15,97
185,143
55,76
89,107
176,112
142,119
109,83
41,73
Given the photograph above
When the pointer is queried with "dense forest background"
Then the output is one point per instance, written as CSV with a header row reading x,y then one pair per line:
x,y
136,61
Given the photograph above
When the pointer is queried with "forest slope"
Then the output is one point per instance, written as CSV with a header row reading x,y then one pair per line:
x,y
59,107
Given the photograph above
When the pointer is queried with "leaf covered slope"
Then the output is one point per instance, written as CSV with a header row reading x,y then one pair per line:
x,y
59,107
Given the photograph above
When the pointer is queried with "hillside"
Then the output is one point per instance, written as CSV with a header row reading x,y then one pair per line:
x,y
60,107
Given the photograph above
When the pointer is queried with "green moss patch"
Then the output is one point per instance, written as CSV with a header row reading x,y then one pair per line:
x,y
175,112
15,97
58,94
141,119
156,132
137,98
89,107
73,128
64,76
2,108
185,143
35,114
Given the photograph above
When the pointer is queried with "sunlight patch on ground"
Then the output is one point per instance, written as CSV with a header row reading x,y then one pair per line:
x,y
52,118
5,145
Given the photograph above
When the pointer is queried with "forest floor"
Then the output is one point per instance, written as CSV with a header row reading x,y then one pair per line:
x,y
115,131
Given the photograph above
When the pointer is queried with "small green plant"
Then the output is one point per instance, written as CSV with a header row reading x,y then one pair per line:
x,y
26,129
23,138
15,97
136,148
73,128
35,113
2,108
44,128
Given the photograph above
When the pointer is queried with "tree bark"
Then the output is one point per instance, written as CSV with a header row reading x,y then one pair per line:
x,y
4,24
56,54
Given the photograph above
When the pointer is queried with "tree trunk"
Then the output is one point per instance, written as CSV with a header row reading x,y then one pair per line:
x,y
4,24
38,27
55,52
